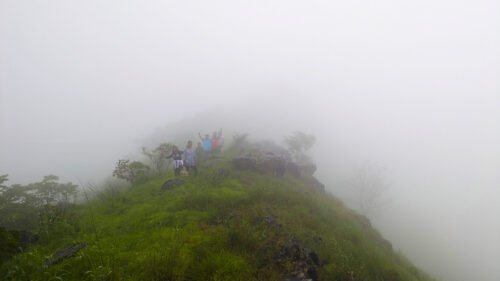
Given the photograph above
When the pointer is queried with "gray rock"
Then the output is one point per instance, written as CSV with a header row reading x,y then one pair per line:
x,y
65,253
307,170
302,259
244,163
293,169
316,184
272,221
274,164
171,184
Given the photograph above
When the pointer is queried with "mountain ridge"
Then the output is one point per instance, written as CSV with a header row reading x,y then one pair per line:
x,y
231,222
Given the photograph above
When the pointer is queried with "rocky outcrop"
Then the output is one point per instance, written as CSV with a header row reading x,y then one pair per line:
x,y
303,170
65,253
244,163
307,170
171,184
293,169
303,261
274,165
316,184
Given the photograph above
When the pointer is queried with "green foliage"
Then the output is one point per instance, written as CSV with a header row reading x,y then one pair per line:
x,y
49,191
22,206
3,178
157,157
9,244
212,230
298,144
134,172
239,140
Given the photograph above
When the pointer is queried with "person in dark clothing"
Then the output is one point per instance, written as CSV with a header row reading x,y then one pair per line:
x,y
177,156
199,151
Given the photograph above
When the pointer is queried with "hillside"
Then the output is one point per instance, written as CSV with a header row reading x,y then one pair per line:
x,y
234,221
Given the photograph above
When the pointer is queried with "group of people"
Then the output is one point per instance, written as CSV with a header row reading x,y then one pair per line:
x,y
187,158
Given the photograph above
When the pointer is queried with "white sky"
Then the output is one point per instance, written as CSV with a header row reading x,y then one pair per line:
x,y
412,85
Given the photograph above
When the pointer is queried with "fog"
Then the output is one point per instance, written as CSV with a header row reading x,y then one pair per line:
x,y
413,86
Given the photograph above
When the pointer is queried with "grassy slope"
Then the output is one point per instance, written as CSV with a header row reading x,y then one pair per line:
x,y
212,230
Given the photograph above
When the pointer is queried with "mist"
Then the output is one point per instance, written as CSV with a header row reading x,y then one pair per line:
x,y
411,86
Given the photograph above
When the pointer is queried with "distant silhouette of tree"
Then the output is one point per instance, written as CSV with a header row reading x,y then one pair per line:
x,y
368,190
298,144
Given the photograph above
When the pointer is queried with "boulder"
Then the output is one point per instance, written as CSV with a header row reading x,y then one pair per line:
x,y
244,163
274,165
65,253
293,169
303,261
171,184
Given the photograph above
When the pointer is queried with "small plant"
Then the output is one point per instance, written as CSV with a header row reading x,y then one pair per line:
x,y
239,141
157,157
133,172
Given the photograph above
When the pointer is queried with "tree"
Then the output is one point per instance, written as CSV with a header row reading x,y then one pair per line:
x,y
20,205
131,171
298,144
50,191
368,190
157,157
3,178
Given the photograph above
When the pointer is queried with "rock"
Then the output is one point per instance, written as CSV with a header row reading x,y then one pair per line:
x,y
303,260
293,169
316,184
244,163
303,170
272,221
274,164
65,253
171,184
307,170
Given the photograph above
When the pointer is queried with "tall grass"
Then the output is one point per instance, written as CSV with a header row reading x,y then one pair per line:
x,y
213,230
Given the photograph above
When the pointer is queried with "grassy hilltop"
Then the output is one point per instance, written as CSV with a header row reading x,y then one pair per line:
x,y
225,224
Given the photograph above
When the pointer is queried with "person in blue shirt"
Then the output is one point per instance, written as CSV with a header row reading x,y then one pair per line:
x,y
207,143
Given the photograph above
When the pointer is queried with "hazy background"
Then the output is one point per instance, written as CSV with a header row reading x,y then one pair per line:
x,y
412,86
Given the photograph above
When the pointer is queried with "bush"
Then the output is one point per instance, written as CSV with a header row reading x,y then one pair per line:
x,y
9,244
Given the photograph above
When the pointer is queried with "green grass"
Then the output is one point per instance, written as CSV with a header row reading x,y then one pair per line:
x,y
212,229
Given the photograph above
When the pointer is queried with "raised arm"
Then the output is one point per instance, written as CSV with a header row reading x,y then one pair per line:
x,y
200,136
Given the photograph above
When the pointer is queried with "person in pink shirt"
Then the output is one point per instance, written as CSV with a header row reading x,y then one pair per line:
x,y
215,141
